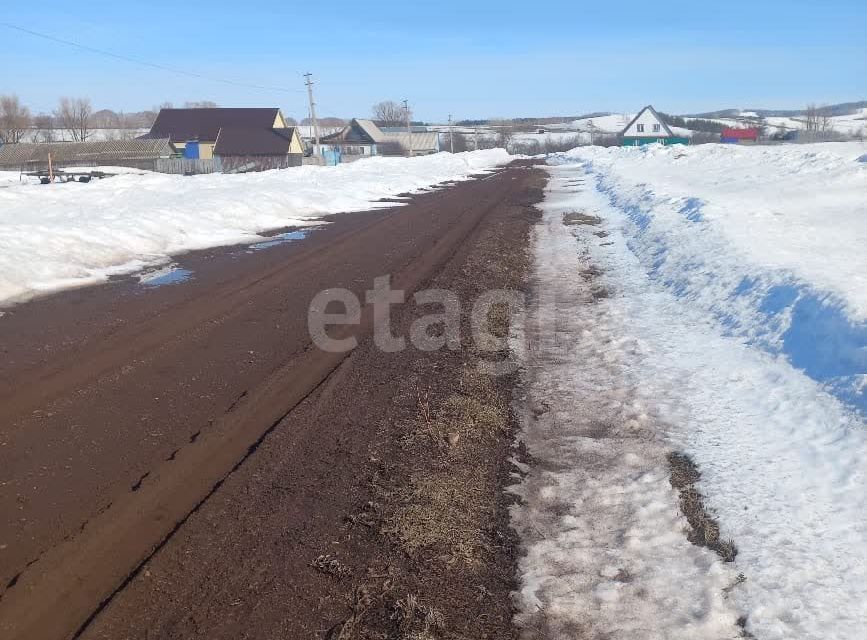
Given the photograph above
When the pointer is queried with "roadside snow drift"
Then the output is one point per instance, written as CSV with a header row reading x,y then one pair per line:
x,y
65,235
717,309
769,241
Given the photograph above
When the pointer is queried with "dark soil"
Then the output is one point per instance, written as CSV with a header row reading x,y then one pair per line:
x,y
183,463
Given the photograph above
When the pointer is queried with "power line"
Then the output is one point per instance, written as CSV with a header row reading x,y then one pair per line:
x,y
145,63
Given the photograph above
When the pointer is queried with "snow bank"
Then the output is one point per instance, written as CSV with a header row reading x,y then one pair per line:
x,y
769,240
59,236
606,554
677,358
9,178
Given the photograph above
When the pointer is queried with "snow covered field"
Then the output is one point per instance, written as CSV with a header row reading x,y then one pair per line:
x,y
614,123
851,125
58,236
732,326
94,135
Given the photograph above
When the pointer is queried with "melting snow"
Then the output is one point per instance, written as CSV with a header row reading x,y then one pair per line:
x,y
690,349
56,236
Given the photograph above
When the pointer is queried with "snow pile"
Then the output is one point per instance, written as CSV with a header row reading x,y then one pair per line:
x,y
73,234
9,178
606,556
675,357
768,240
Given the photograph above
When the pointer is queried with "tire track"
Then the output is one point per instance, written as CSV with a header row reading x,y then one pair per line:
x,y
57,596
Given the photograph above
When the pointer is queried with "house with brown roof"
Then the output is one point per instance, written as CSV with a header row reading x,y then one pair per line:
x,y
248,138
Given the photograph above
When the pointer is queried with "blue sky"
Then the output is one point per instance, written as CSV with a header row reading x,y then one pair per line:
x,y
474,60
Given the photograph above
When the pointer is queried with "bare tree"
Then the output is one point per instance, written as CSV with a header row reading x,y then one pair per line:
x,y
203,104
818,123
505,129
485,141
325,122
118,126
73,116
44,125
389,113
459,141
811,118
14,119
826,125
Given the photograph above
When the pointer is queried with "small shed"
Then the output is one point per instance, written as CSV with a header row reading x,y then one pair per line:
x,y
141,154
422,142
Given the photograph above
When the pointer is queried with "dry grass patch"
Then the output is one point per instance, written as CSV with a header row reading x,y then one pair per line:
x,y
704,528
577,218
448,502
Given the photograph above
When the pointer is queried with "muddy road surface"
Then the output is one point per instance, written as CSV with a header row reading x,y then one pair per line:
x,y
142,425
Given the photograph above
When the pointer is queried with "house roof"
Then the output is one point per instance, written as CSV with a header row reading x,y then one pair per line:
x,y
103,152
415,129
180,125
358,132
740,134
369,127
665,128
242,141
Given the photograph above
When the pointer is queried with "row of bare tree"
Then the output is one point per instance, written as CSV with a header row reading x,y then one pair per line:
x,y
74,119
72,115
817,120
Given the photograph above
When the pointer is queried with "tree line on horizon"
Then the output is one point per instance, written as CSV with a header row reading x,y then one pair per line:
x,y
77,119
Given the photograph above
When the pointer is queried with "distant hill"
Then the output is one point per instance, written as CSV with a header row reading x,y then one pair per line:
x,y
841,109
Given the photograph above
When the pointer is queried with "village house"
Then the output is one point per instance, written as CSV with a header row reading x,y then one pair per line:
x,y
648,127
739,136
363,138
360,138
247,139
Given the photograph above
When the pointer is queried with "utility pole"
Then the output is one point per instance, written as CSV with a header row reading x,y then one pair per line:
x,y
451,136
476,136
408,124
309,83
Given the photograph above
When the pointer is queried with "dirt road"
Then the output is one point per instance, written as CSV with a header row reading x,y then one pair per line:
x,y
181,461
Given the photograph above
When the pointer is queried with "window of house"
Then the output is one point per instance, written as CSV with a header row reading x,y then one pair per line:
x,y
655,128
640,128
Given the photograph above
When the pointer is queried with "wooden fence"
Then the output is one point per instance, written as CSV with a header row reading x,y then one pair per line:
x,y
185,167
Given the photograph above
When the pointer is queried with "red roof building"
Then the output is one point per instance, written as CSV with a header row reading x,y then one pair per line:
x,y
739,135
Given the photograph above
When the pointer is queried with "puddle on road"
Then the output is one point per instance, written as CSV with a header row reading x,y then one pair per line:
x,y
283,238
164,277
173,274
